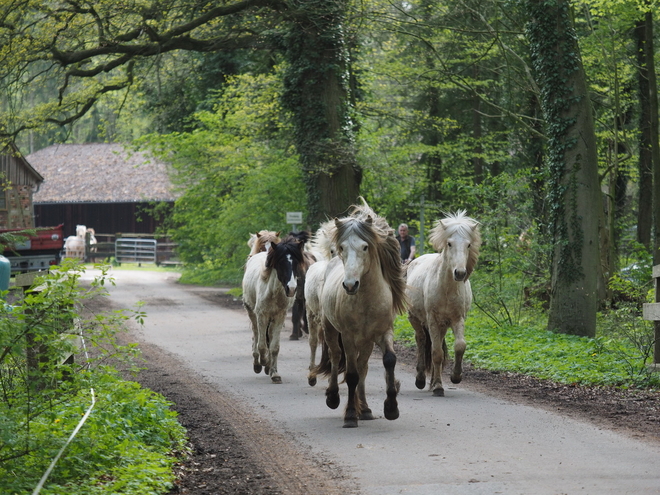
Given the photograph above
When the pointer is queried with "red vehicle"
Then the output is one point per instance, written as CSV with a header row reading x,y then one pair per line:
x,y
36,253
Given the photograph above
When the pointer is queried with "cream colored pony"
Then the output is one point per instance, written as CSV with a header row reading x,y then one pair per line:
x,y
323,250
440,296
363,291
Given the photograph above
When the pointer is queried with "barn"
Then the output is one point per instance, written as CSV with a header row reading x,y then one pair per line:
x,y
104,186
18,182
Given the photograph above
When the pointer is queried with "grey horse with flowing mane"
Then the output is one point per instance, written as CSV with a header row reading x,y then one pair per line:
x,y
440,296
362,293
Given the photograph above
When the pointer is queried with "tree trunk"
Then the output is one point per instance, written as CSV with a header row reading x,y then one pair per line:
x,y
574,192
645,201
316,91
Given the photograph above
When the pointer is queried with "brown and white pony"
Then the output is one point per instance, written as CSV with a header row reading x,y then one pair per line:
x,y
440,296
363,291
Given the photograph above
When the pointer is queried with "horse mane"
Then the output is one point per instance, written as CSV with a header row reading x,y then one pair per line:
x,y
321,243
458,223
288,246
376,232
258,241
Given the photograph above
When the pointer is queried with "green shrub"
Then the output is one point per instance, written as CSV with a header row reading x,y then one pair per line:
x,y
128,441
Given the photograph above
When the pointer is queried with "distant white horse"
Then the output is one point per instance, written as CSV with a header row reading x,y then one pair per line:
x,y
440,296
74,245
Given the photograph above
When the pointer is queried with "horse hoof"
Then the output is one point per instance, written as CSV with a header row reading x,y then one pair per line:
x,y
276,379
332,402
420,383
350,423
366,415
267,370
456,379
439,392
257,368
293,337
311,380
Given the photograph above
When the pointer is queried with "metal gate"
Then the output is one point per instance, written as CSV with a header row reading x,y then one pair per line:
x,y
129,250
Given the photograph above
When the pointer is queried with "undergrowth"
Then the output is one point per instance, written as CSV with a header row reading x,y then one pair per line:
x,y
130,439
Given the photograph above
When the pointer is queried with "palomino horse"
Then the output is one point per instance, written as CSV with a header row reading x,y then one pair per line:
x,y
314,279
262,240
440,296
269,285
363,291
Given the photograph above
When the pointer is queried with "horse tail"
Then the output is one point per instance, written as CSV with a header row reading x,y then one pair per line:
x,y
428,358
325,366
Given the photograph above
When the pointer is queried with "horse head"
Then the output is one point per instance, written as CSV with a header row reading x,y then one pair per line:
x,y
355,241
458,238
286,258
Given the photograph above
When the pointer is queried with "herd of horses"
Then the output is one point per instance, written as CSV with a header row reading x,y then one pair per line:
x,y
346,285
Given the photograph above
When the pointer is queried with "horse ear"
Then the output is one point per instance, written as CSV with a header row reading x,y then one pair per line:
x,y
337,222
278,233
369,220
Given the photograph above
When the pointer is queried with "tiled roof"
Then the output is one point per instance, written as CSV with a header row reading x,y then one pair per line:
x,y
99,173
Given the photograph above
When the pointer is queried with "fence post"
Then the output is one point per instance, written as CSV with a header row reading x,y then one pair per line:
x,y
651,312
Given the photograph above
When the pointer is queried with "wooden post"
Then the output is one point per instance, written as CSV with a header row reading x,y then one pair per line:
x,y
651,312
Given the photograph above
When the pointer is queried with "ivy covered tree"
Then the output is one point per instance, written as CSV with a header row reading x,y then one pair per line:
x,y
574,190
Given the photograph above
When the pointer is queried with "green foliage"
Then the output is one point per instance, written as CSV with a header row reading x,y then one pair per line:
x,y
238,175
532,350
127,443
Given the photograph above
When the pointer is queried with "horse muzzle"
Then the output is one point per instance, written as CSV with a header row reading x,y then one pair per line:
x,y
352,289
460,275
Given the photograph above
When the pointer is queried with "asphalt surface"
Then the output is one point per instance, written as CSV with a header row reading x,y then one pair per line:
x,y
463,443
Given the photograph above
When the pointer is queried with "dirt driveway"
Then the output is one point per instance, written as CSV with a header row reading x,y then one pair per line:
x,y
251,436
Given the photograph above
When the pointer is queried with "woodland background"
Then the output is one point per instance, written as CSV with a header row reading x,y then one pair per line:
x,y
538,118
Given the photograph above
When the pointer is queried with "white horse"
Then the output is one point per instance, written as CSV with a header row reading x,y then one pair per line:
x,y
440,296
74,245
269,284
363,291
324,251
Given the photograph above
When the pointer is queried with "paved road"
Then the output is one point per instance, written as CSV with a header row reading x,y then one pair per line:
x,y
464,443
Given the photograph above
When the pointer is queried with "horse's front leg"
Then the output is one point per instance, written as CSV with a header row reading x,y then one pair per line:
x,y
256,365
363,369
331,336
438,357
421,338
391,406
352,378
274,330
262,340
314,329
459,349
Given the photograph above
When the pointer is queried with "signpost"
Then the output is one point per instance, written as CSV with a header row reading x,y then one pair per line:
x,y
294,218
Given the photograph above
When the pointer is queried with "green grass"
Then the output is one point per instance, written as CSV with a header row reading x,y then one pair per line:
x,y
532,350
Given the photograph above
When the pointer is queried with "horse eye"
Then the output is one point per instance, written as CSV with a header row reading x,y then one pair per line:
x,y
365,248
449,244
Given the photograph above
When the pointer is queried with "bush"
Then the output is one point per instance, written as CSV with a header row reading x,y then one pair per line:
x,y
128,441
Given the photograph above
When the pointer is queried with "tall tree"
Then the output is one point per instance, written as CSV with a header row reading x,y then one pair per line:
x,y
317,92
574,192
94,49
645,206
